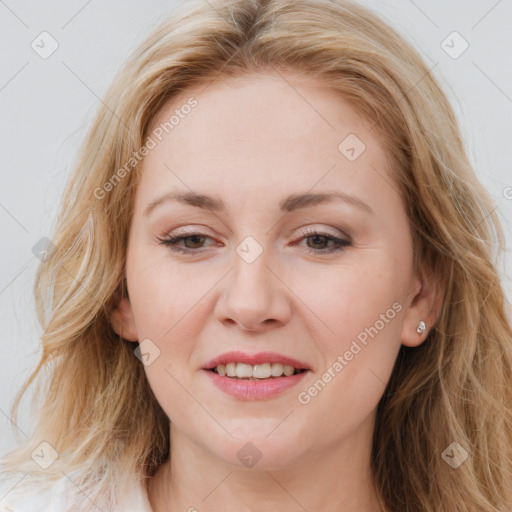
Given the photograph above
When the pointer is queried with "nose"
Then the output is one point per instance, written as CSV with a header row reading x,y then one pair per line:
x,y
254,297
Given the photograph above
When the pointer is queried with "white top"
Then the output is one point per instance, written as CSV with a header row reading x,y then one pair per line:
x,y
53,499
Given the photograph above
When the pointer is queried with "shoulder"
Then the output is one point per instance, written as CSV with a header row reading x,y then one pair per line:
x,y
18,494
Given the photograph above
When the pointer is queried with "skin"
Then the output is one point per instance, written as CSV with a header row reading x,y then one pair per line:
x,y
251,142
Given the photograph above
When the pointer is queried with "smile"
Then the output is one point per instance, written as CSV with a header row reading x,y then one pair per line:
x,y
258,376
255,372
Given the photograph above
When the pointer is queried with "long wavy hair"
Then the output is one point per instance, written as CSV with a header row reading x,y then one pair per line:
x,y
93,403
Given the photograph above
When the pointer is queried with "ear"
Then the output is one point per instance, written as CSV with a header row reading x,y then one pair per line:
x,y
122,320
425,305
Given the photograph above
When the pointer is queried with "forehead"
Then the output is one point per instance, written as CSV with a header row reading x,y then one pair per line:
x,y
260,133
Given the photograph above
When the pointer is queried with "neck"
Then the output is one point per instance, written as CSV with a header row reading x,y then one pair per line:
x,y
334,479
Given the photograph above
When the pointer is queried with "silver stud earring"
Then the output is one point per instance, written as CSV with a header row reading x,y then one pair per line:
x,y
421,327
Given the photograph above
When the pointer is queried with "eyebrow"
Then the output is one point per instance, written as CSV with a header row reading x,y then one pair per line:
x,y
289,204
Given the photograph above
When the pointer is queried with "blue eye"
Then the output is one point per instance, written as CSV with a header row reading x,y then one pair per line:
x,y
193,242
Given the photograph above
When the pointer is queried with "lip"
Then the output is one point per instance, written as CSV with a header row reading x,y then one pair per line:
x,y
252,359
253,389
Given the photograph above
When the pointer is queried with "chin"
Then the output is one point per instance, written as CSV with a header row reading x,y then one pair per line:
x,y
249,450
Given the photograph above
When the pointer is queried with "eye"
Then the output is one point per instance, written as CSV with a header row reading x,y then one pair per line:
x,y
320,239
192,241
319,242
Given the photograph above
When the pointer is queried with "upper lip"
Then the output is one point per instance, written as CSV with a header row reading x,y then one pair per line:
x,y
258,358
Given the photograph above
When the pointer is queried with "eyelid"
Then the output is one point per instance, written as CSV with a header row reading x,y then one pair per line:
x,y
186,231
190,230
315,229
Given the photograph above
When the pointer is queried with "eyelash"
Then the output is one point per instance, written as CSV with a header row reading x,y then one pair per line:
x,y
340,244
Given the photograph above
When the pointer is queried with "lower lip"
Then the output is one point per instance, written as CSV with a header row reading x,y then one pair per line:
x,y
255,389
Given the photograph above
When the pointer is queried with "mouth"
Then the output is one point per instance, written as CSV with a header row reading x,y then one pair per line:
x,y
264,371
262,365
255,376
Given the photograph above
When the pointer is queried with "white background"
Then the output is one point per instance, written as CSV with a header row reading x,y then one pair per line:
x,y
47,105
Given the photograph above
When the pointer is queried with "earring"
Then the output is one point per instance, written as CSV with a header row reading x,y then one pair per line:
x,y
421,327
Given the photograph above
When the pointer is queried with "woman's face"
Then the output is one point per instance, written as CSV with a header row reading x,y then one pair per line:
x,y
265,223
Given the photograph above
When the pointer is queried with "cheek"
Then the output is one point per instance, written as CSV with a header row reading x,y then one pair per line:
x,y
361,307
162,293
347,298
163,307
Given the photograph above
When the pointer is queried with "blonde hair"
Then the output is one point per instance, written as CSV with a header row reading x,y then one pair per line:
x,y
95,406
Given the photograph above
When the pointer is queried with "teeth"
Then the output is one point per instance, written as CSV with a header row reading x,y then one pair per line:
x,y
257,371
243,370
231,369
279,369
261,371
